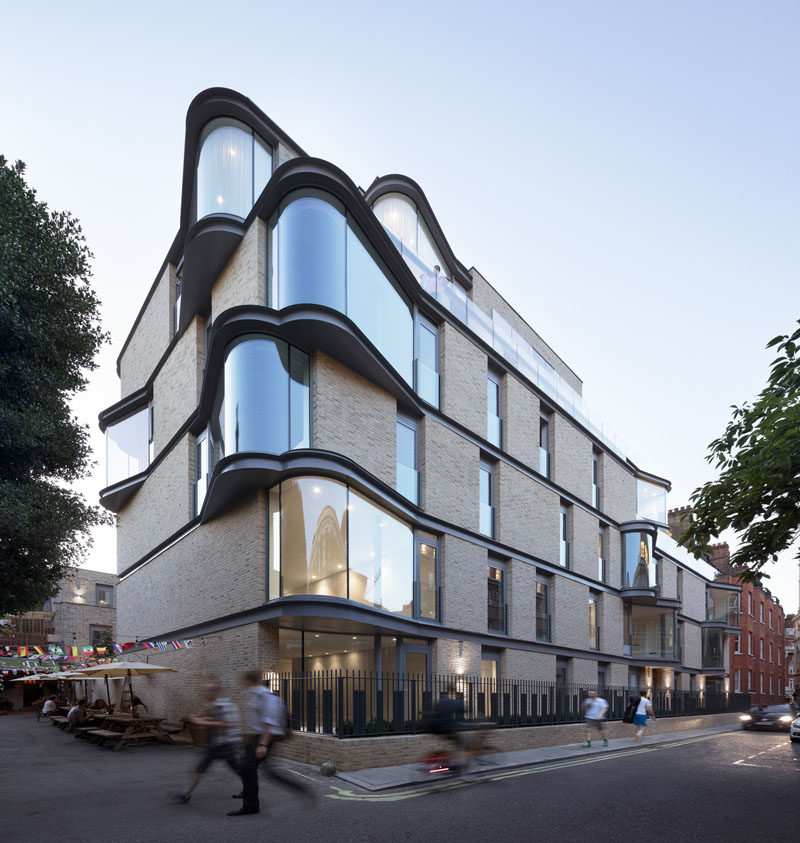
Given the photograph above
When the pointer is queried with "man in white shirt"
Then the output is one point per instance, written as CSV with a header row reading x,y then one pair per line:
x,y
595,711
644,708
50,709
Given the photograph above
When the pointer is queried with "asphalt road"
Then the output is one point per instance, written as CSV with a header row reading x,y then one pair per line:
x,y
733,786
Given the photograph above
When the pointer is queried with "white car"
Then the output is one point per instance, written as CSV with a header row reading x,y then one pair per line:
x,y
794,730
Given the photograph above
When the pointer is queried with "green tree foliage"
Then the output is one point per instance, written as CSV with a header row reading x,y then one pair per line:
x,y
49,336
757,492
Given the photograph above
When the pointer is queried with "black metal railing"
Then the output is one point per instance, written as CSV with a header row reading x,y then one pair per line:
x,y
358,704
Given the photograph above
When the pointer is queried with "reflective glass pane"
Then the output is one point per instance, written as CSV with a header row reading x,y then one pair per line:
x,y
381,552
256,396
638,565
652,632
290,651
377,307
311,254
406,444
262,166
314,536
326,651
300,408
399,215
225,170
274,538
651,502
427,580
128,447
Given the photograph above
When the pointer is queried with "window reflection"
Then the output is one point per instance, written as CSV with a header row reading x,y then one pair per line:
x,y
128,446
638,564
326,539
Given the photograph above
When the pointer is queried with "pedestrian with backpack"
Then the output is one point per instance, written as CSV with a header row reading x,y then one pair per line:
x,y
643,709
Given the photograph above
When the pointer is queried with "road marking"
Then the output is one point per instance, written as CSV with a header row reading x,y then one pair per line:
x,y
425,789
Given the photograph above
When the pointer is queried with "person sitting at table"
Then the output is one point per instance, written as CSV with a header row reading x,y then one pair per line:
x,y
50,709
77,714
99,705
136,706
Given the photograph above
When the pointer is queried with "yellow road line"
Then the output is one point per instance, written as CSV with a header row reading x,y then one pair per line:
x,y
398,796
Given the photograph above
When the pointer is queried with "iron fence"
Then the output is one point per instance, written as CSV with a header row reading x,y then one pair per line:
x,y
358,704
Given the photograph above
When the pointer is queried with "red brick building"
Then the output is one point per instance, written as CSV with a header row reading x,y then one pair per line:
x,y
757,657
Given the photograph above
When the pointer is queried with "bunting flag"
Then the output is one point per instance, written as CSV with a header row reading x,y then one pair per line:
x,y
162,645
148,645
39,650
176,644
188,643
117,648
88,650
128,646
22,652
55,650
101,651
72,651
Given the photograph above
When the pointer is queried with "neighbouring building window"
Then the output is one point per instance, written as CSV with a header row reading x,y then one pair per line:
x,y
426,361
543,610
761,612
494,425
486,492
770,618
496,597
594,627
761,649
544,445
770,652
104,595
761,683
750,605
737,681
99,634
737,644
770,684
750,643
564,535
596,480
749,680
408,458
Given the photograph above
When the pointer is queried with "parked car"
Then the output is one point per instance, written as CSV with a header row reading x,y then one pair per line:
x,y
770,717
794,730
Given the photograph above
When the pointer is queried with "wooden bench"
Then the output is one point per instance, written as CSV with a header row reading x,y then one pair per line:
x,y
81,731
61,722
101,735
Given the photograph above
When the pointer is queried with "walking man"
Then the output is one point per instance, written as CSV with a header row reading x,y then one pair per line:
x,y
644,708
224,735
595,711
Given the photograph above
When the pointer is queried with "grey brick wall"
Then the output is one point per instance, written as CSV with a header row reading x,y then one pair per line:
x,y
527,665
353,417
668,575
215,570
583,552
618,490
464,581
464,369
449,475
151,338
694,597
521,595
450,656
243,281
692,651
611,624
572,458
520,422
570,602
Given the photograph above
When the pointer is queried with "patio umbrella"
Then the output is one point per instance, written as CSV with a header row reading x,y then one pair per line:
x,y
127,669
32,678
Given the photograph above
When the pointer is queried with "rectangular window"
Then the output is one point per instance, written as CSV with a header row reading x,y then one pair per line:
x,y
496,601
426,361
737,681
770,618
601,555
770,652
99,634
486,491
750,605
427,577
105,595
494,425
761,682
749,680
596,480
564,535
407,458
761,612
761,649
750,643
544,445
737,644
770,685
594,628
543,610
201,464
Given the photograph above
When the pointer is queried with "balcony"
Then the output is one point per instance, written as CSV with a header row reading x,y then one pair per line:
x,y
497,616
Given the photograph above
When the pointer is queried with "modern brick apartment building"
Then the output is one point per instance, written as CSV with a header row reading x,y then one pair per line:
x,y
757,653
337,447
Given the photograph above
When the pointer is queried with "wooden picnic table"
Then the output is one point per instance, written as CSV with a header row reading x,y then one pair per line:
x,y
125,728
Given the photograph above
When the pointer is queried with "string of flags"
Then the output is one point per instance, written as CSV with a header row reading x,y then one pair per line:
x,y
34,651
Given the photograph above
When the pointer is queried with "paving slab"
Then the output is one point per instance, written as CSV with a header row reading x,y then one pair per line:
x,y
385,778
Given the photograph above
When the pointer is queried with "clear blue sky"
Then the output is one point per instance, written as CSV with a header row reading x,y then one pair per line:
x,y
625,173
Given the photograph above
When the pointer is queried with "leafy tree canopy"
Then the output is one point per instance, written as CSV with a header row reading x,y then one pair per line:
x,y
757,492
49,336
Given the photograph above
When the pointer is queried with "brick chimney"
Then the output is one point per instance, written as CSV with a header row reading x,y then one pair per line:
x,y
678,520
720,557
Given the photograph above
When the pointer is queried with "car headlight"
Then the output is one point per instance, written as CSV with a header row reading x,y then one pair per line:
x,y
786,718
745,717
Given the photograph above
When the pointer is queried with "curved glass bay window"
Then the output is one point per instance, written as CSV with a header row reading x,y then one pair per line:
x,y
651,502
128,446
638,565
318,256
262,402
327,539
233,168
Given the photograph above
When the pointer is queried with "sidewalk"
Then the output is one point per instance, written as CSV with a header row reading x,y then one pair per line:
x,y
384,778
